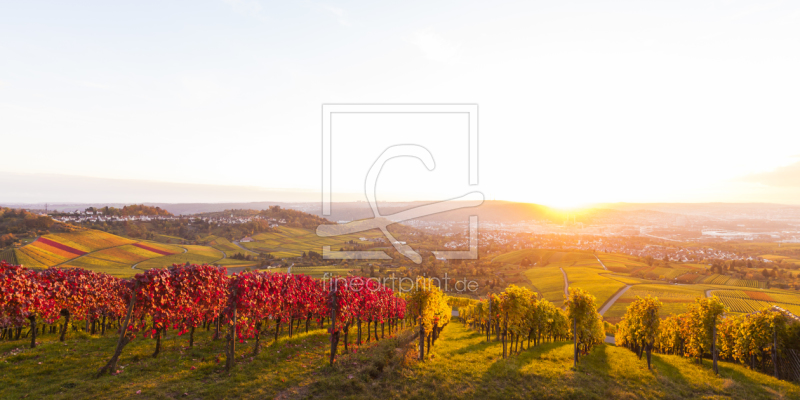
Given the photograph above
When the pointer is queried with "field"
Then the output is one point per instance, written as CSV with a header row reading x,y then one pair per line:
x,y
461,366
131,254
748,301
597,284
103,252
98,265
316,271
89,240
541,256
41,257
9,256
222,244
675,299
620,262
193,255
549,282
292,242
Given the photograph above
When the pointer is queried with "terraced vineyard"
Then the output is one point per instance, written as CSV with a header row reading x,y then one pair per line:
x,y
222,244
745,283
193,255
749,301
675,299
549,282
620,262
716,279
591,280
743,305
292,242
9,256
544,256
89,240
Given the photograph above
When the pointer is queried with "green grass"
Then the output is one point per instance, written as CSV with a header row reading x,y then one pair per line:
x,y
460,366
66,371
463,366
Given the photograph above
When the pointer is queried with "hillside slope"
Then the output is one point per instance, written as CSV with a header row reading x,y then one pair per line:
x,y
461,366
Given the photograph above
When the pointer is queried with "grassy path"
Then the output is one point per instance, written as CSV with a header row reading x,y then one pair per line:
x,y
463,365
601,262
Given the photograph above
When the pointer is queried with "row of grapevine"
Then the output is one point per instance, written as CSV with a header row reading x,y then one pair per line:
x,y
184,297
660,293
518,314
705,329
716,279
427,306
745,283
739,294
9,256
743,305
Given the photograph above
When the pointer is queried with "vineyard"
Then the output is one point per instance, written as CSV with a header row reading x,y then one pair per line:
x,y
222,244
185,298
517,316
590,279
549,282
292,242
759,339
717,279
195,331
748,301
9,256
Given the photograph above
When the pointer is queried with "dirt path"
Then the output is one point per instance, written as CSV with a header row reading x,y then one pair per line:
x,y
610,302
708,292
242,247
566,282
601,263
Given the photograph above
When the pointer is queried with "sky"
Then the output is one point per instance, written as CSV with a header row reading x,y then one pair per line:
x,y
579,101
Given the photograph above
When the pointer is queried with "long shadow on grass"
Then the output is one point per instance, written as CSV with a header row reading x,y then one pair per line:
x,y
531,373
480,346
754,388
262,376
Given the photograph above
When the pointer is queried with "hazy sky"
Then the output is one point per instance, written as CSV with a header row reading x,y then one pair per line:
x,y
580,102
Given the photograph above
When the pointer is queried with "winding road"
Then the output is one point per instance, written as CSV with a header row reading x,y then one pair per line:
x,y
610,302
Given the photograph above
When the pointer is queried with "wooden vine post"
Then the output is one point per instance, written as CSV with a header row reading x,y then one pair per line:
x,y
32,319
230,348
489,323
575,336
505,335
421,334
775,350
713,349
334,333
123,338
